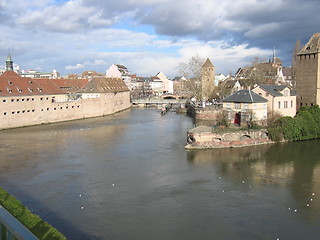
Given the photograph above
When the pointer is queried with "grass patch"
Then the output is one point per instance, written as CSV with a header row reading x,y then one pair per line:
x,y
40,228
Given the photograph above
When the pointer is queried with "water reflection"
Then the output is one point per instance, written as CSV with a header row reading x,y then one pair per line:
x,y
295,166
128,176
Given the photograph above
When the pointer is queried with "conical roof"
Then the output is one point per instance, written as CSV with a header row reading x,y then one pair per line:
x,y
207,63
9,59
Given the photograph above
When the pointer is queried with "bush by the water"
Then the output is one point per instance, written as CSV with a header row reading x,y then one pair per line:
x,y
304,126
40,228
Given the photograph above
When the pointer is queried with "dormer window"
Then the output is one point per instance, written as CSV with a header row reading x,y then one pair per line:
x,y
30,82
30,90
10,83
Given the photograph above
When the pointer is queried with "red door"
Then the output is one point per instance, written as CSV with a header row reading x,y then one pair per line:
x,y
237,119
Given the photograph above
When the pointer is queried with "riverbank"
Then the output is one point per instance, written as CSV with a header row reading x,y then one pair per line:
x,y
40,228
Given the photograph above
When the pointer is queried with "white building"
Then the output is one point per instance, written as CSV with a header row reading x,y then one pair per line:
x,y
120,71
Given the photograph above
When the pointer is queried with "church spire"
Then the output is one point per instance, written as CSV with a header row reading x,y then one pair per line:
x,y
9,63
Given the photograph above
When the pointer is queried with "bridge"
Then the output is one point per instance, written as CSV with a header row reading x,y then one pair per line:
x,y
159,101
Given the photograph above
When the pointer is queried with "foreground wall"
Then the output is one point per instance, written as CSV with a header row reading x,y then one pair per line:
x,y
33,110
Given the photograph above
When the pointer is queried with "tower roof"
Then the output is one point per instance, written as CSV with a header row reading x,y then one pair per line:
x,y
9,59
312,46
207,63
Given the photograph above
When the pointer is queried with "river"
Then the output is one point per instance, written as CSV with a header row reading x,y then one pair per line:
x,y
128,176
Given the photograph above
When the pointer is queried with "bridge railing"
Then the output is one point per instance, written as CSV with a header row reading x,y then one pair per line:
x,y
12,229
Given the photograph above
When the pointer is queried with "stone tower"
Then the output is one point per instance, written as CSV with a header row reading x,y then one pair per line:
x,y
207,79
308,73
9,63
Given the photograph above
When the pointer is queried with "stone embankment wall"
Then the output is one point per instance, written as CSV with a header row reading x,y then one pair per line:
x,y
207,113
27,111
207,138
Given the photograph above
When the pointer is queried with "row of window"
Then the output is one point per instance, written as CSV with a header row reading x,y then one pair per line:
x,y
25,99
43,109
244,105
18,100
285,104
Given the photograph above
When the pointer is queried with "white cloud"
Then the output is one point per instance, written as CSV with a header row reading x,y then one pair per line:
x,y
93,34
75,67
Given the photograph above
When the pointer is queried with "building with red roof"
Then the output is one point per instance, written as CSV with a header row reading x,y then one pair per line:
x,y
28,101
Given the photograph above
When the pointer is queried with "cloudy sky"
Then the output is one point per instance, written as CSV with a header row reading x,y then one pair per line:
x,y
148,36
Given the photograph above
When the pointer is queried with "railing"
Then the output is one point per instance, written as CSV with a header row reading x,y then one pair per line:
x,y
12,228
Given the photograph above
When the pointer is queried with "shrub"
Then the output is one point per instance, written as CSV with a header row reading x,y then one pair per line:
x,y
305,125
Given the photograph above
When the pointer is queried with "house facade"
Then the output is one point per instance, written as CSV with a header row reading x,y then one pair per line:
x,y
245,106
281,99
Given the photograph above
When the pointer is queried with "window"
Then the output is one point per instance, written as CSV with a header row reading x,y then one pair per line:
x,y
285,104
279,104
4,100
246,106
291,103
237,105
12,100
228,105
286,93
4,113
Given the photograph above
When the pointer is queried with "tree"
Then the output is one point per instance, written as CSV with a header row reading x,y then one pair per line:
x,y
192,72
260,72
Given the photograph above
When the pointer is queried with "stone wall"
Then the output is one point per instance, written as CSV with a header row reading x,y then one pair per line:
x,y
33,110
307,83
206,137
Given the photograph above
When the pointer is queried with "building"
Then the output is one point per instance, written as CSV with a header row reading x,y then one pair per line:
x,y
35,74
29,101
281,99
245,106
120,71
167,85
207,79
308,73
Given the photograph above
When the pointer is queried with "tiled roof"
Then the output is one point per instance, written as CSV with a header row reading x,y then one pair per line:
x,y
245,96
312,46
274,90
49,85
70,85
104,85
11,84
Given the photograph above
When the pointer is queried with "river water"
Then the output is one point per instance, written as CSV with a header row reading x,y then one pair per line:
x,y
128,176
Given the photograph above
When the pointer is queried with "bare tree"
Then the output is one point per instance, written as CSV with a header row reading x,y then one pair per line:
x,y
192,72
260,72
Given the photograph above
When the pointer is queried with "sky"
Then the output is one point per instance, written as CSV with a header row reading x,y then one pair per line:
x,y
151,36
